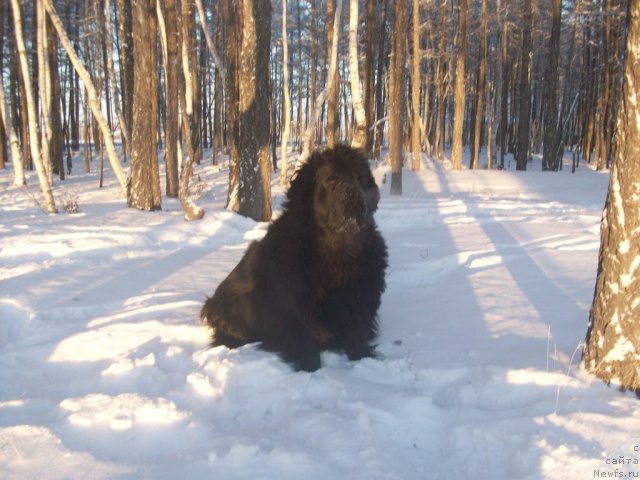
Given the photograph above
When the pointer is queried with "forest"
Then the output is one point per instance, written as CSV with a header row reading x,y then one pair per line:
x,y
264,81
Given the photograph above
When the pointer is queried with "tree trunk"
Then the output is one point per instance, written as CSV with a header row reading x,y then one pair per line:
x,y
613,338
145,177
126,64
334,86
3,130
379,97
16,160
359,139
522,151
550,160
45,186
480,88
248,45
286,107
397,95
171,68
460,94
415,87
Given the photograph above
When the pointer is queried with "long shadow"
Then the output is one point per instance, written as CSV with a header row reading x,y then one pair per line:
x,y
482,392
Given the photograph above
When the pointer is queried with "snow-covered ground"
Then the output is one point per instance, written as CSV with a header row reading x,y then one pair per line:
x,y
105,370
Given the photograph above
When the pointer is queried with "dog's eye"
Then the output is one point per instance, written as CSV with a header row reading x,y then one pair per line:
x,y
332,182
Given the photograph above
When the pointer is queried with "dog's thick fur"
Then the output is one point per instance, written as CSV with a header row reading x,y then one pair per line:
x,y
314,281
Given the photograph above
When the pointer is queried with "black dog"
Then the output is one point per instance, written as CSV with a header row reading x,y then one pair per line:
x,y
314,281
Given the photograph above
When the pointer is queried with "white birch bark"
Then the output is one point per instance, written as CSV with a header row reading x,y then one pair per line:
x,y
45,186
360,131
16,157
286,122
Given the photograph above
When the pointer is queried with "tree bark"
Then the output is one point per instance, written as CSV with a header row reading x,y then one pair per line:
x,y
286,107
359,139
612,349
397,95
460,94
171,68
415,87
145,176
45,186
522,151
480,88
550,160
332,126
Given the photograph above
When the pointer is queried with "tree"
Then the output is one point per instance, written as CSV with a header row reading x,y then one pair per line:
x,y
460,94
480,88
360,132
169,36
415,86
550,160
522,151
247,63
396,95
286,107
45,186
612,350
332,125
145,177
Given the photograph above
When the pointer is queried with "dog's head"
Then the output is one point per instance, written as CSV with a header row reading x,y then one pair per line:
x,y
338,188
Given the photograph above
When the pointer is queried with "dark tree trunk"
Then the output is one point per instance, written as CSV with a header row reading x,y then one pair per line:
x,y
397,99
522,151
145,177
550,158
172,94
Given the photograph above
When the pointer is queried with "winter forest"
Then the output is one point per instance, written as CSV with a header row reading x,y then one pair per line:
x,y
505,76
496,130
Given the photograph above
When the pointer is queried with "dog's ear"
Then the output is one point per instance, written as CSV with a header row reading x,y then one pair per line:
x,y
300,193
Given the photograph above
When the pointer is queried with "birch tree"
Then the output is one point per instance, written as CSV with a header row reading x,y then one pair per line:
x,y
45,186
612,350
359,139
16,157
286,107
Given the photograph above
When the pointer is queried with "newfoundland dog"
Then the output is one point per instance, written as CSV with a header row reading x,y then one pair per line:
x,y
314,281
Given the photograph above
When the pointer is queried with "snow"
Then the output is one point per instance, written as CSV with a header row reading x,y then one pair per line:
x,y
105,371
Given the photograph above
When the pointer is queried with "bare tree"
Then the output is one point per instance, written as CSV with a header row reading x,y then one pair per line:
x,y
415,86
145,176
612,349
45,186
247,62
396,95
286,107
460,94
360,132
550,160
524,124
